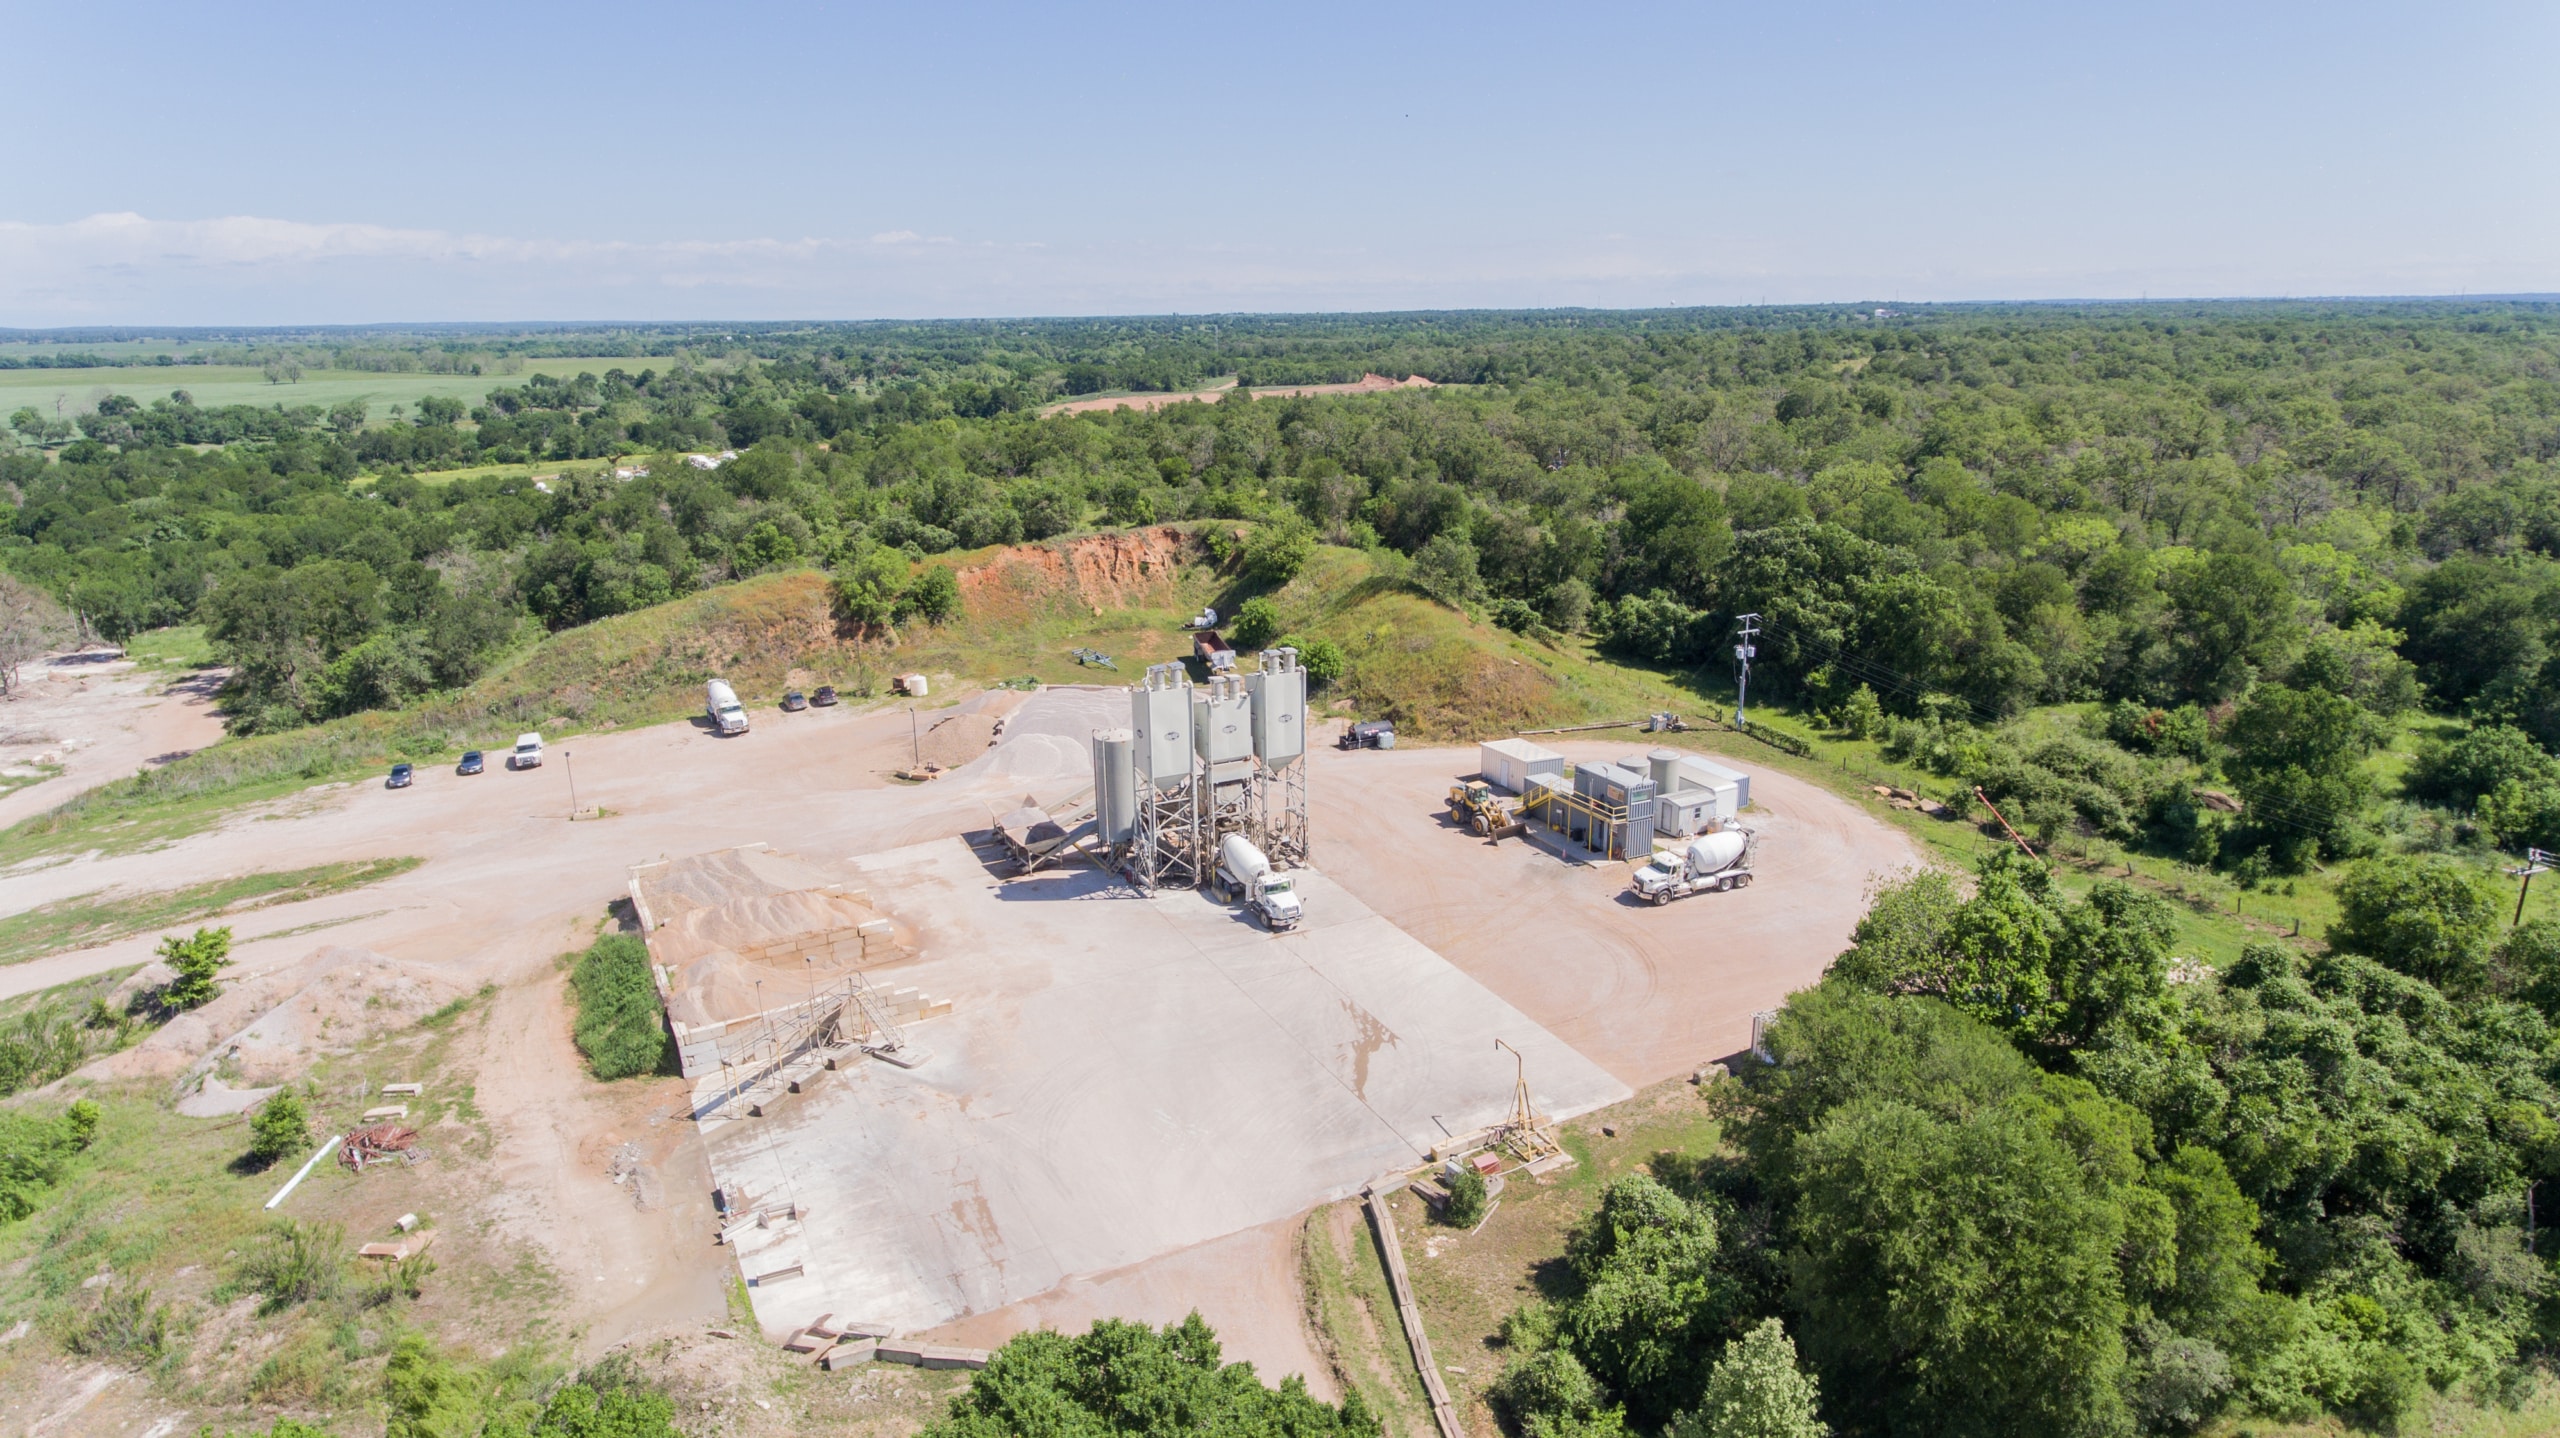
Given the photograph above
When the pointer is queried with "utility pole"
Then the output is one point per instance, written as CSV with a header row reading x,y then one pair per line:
x,y
2536,861
568,762
1743,654
915,741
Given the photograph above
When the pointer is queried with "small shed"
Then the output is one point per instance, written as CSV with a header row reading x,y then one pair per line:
x,y
1510,764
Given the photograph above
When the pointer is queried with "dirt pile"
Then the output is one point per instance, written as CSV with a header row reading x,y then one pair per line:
x,y
271,1025
1098,572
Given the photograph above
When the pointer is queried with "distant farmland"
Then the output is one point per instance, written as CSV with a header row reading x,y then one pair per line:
x,y
81,389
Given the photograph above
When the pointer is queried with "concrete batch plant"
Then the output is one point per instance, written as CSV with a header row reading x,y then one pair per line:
x,y
1200,762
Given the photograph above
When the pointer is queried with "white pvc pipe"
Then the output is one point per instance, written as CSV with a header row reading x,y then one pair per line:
x,y
304,1172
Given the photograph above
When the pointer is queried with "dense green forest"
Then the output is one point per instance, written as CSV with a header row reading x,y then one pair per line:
x,y
2018,1171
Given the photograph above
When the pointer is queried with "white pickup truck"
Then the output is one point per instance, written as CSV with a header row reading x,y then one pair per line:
x,y
528,752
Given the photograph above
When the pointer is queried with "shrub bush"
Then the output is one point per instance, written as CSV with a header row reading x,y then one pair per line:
x,y
620,1027
1466,1198
278,1130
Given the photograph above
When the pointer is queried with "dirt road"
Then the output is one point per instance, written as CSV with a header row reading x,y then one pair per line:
x,y
100,718
1647,993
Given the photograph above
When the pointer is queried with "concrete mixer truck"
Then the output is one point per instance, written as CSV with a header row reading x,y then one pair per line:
x,y
1244,874
1719,861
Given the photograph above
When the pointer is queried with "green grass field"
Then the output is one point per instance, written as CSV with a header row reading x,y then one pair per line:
x,y
79,389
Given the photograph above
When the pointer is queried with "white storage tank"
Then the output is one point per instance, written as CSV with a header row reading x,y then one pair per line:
x,y
1115,785
1279,702
1511,763
1160,713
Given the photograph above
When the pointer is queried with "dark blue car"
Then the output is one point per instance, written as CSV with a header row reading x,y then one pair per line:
x,y
401,774
471,763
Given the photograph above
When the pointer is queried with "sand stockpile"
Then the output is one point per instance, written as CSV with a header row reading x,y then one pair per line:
x,y
811,924
702,881
721,987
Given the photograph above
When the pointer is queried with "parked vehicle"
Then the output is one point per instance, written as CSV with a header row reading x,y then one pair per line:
x,y
728,716
1474,804
794,702
1214,653
1245,875
472,762
1368,734
825,696
401,775
528,752
1718,861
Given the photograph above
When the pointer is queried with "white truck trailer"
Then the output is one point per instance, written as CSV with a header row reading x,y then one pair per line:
x,y
1718,861
728,716
1246,875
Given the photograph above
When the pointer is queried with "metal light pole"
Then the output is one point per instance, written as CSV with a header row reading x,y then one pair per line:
x,y
915,740
1743,654
567,762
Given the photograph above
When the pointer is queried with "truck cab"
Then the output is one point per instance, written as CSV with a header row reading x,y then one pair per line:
x,y
1277,902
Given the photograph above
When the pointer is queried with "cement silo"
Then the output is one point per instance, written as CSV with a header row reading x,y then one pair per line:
x,y
1115,786
1279,691
1279,807
1165,849
1222,723
1160,713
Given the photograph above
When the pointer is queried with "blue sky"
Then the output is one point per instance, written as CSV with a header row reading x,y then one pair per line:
x,y
286,164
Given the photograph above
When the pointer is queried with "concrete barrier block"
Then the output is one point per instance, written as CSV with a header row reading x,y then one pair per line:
x,y
902,1351
939,1356
846,1355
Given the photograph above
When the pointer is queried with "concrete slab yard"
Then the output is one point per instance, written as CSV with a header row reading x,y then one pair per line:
x,y
1120,1077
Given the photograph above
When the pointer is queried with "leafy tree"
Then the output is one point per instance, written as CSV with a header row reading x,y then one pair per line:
x,y
278,1130
1321,658
2430,918
866,590
932,596
2233,617
195,960
1862,717
1257,623
35,1153
1960,1275
1445,569
1127,1378
1756,1391
1275,551
2298,758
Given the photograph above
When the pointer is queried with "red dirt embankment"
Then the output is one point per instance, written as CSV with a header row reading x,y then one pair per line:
x,y
1137,569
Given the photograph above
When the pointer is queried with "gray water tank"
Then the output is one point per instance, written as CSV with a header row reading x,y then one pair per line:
x,y
1666,770
1115,784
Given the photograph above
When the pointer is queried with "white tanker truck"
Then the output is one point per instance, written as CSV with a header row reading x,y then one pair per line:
x,y
1719,861
1243,873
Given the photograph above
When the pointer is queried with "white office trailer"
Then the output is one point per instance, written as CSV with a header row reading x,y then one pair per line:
x,y
1509,764
1691,795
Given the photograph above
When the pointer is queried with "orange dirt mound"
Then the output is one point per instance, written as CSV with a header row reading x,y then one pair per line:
x,y
1099,571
